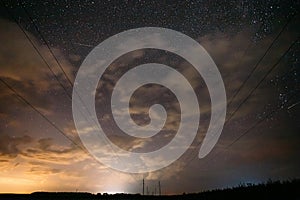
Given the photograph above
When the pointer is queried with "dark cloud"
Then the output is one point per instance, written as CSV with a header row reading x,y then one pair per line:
x,y
11,146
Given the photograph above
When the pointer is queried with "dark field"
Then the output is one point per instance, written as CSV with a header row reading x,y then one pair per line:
x,y
270,190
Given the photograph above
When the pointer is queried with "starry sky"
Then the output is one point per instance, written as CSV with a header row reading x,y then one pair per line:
x,y
255,45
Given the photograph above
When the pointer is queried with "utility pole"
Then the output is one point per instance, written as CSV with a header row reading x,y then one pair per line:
x,y
147,190
159,188
143,187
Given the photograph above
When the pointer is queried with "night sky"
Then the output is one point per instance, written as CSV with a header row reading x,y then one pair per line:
x,y
255,45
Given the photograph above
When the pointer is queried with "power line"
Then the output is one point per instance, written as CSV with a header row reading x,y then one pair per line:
x,y
45,118
37,51
27,102
250,44
40,113
44,60
257,123
245,51
270,114
43,38
46,43
255,67
268,72
259,61
265,76
48,66
260,82
247,131
252,71
60,66
61,84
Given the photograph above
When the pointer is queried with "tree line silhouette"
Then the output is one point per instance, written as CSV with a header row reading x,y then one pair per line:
x,y
269,190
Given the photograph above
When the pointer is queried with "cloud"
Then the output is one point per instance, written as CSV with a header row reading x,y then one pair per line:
x,y
11,146
166,173
47,150
44,170
25,71
20,61
130,144
40,158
